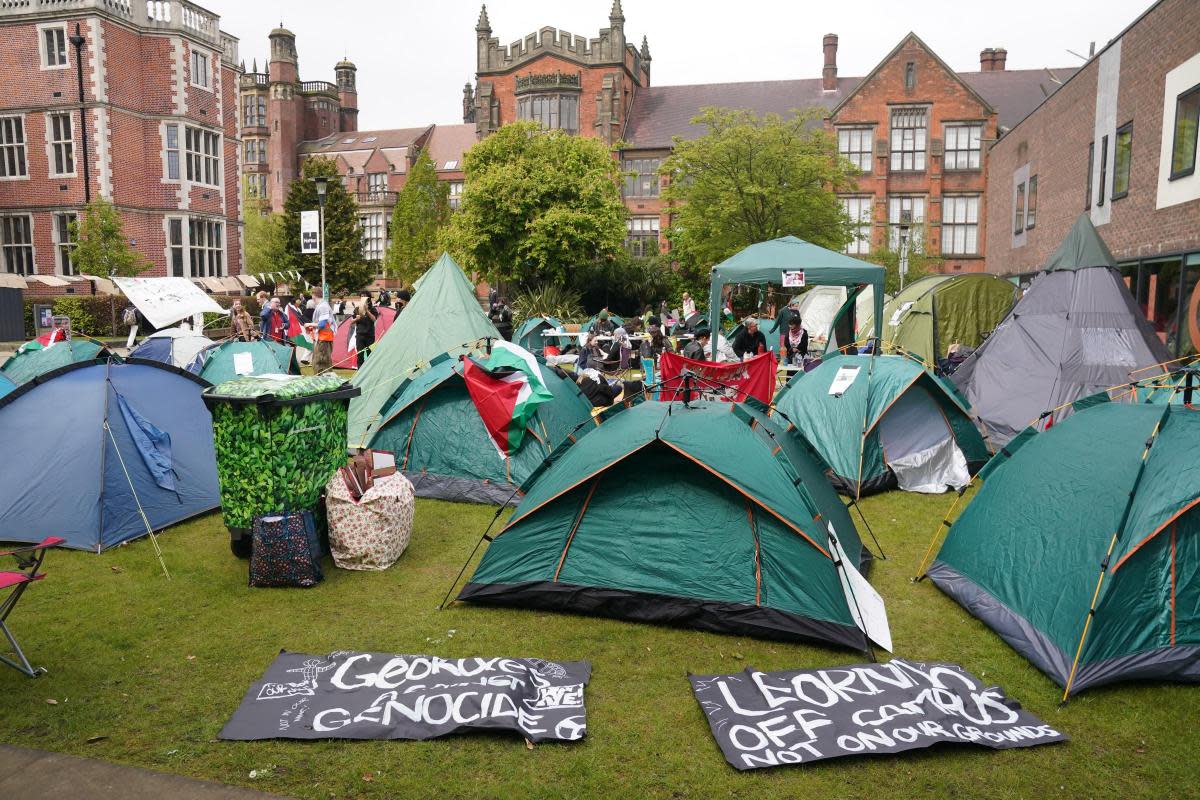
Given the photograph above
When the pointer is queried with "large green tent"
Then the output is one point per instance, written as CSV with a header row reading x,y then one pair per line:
x,y
443,317
709,516
883,422
230,359
932,313
30,362
792,263
441,444
1063,508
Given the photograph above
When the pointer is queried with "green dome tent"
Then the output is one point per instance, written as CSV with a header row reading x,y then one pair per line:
x,y
932,313
30,362
227,360
529,335
884,422
443,317
709,516
442,446
1025,556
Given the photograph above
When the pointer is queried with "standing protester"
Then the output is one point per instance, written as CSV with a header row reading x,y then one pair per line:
x,y
402,299
364,327
793,343
325,326
657,344
272,321
500,315
385,298
689,305
240,322
750,342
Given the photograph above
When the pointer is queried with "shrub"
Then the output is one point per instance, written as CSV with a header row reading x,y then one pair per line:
x,y
552,300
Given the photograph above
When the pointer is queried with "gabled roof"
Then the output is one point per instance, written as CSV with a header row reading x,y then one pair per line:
x,y
1015,93
448,144
363,140
662,112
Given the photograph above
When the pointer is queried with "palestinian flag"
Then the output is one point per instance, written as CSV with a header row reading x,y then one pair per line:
x,y
45,341
296,334
506,390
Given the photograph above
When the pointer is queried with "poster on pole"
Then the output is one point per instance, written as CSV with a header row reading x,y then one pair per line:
x,y
310,232
768,719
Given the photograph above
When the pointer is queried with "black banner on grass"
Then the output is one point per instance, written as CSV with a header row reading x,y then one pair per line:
x,y
349,695
764,719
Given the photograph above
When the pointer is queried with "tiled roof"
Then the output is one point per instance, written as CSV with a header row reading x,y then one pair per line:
x,y
662,112
448,143
363,140
1014,93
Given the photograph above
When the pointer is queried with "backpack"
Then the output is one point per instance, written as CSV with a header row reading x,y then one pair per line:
x,y
287,550
129,316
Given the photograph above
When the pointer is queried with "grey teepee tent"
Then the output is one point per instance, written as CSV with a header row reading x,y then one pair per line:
x,y
1077,331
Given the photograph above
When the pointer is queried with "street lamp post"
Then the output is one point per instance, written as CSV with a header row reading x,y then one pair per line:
x,y
77,42
322,184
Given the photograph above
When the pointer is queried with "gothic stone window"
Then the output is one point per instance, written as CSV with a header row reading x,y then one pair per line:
x,y
909,129
551,111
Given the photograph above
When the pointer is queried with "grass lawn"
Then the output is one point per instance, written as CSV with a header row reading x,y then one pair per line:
x,y
157,667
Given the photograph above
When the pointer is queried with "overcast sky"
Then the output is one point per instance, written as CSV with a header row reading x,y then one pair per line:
x,y
413,58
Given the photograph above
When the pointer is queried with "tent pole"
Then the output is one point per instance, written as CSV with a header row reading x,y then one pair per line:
x,y
1112,545
863,517
862,443
944,525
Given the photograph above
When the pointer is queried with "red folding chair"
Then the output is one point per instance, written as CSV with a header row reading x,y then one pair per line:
x,y
29,565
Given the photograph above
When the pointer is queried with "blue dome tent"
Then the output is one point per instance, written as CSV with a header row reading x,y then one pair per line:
x,y
123,439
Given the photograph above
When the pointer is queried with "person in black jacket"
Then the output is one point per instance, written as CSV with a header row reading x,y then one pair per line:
x,y
364,327
697,349
500,315
793,342
750,341
657,344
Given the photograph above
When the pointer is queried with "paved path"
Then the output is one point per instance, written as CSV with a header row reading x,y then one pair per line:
x,y
37,775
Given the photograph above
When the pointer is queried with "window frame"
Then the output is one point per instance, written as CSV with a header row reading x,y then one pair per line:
x,y
206,252
64,262
948,229
61,151
1031,203
918,153
1124,130
867,154
637,236
202,156
893,240
197,54
638,171
1103,171
968,151
553,117
11,251
1019,210
176,247
16,152
861,245
373,226
1191,93
1091,167
454,194
44,51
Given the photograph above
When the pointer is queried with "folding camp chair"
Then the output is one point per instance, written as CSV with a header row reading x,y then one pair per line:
x,y
29,564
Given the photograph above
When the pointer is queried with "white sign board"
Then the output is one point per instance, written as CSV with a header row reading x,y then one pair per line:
x,y
793,279
865,603
165,301
842,380
310,232
243,363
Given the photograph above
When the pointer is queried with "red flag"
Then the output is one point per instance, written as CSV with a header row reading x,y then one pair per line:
x,y
495,399
733,380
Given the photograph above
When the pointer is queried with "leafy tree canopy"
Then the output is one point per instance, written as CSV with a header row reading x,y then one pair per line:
x,y
345,267
536,204
102,248
263,231
422,210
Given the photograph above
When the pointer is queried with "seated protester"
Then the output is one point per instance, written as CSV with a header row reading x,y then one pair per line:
x,y
596,389
793,342
658,343
603,324
697,349
750,342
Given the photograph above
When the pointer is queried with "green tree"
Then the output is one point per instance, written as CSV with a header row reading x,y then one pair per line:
x,y
266,249
102,248
422,210
749,179
919,263
536,204
345,268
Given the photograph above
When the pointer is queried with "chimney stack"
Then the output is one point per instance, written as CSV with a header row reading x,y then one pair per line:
x,y
999,56
829,73
986,59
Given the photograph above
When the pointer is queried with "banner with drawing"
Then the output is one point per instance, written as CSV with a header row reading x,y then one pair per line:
x,y
765,719
165,301
350,695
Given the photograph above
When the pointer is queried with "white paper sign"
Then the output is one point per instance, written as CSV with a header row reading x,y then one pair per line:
x,y
842,380
899,313
793,279
165,301
310,232
243,363
865,603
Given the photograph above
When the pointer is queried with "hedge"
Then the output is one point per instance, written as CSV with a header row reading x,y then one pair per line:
x,y
93,315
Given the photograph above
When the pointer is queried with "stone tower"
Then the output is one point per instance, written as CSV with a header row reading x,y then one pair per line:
x,y
344,74
284,114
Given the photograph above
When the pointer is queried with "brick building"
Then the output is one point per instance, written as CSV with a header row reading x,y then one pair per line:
x,y
1119,141
160,89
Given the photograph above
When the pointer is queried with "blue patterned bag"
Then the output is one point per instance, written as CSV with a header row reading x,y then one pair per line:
x,y
287,551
